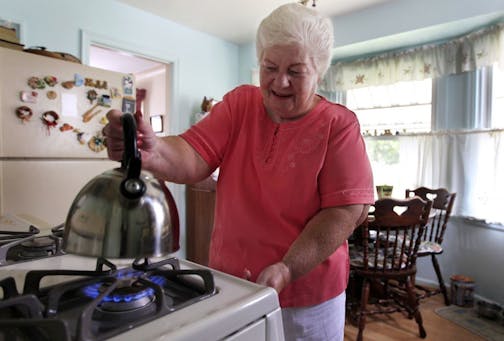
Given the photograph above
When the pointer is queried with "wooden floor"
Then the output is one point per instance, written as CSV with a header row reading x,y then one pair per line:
x,y
396,327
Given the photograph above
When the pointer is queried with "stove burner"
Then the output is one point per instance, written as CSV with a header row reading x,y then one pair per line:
x,y
129,295
123,299
37,247
58,230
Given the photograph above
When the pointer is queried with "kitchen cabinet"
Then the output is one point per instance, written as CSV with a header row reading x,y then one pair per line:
x,y
200,205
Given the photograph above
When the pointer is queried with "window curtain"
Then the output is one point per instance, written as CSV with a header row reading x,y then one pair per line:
x,y
470,163
335,97
466,53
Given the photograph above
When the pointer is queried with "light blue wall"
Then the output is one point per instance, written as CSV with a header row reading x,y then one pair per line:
x,y
248,61
399,16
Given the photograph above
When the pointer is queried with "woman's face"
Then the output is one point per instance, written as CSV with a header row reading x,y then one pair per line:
x,y
288,79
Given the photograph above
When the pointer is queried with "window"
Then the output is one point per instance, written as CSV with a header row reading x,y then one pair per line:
x,y
403,107
498,97
462,160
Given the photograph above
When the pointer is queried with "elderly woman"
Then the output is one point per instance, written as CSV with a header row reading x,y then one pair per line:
x,y
294,177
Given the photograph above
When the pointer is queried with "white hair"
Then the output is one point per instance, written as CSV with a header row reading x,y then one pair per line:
x,y
294,23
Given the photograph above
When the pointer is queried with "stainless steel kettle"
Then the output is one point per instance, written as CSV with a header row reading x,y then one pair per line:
x,y
124,212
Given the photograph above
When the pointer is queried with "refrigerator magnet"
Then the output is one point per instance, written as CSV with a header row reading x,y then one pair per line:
x,y
66,127
114,93
29,96
83,138
78,80
24,113
128,105
51,94
105,101
96,144
92,95
36,83
51,80
68,84
127,84
50,119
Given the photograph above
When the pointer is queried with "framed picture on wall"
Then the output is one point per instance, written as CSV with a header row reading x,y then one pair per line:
x,y
128,105
156,122
10,31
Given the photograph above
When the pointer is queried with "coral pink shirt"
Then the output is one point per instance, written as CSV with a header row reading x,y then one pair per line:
x,y
273,178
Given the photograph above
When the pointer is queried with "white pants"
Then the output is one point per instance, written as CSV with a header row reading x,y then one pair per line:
x,y
323,322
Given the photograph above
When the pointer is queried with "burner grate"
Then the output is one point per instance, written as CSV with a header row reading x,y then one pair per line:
x,y
99,304
29,245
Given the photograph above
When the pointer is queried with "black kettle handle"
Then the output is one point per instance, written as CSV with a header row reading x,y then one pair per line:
x,y
131,160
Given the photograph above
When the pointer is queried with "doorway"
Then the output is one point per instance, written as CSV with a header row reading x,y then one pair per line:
x,y
152,81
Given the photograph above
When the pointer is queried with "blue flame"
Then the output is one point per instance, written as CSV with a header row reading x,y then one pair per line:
x,y
93,290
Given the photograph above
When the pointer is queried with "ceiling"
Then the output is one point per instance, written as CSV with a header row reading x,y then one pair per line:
x,y
213,17
119,61
235,20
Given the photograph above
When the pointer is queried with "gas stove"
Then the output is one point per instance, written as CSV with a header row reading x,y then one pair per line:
x,y
30,244
68,297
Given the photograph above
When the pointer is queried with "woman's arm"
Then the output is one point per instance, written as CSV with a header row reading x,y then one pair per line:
x,y
323,234
169,158
176,161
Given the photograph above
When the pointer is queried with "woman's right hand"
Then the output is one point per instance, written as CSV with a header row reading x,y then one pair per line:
x,y
113,133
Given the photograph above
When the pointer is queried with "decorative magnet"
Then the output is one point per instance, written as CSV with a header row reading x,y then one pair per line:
x,y
83,138
29,96
66,127
36,83
51,94
105,101
128,105
88,116
78,80
95,83
50,119
96,144
114,93
68,84
91,95
51,80
24,113
128,85
103,120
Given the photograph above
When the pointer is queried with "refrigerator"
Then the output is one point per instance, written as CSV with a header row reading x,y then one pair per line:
x,y
52,112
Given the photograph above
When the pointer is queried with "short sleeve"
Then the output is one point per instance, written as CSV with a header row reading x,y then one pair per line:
x,y
346,177
210,136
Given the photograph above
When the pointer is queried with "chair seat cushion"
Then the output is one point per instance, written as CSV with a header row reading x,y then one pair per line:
x,y
357,258
428,247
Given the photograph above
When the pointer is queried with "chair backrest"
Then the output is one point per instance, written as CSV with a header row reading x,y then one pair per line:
x,y
442,204
391,238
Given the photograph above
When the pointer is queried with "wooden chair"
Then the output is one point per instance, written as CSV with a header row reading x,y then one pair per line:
x,y
386,252
431,245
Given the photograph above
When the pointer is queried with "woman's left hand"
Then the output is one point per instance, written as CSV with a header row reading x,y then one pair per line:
x,y
276,276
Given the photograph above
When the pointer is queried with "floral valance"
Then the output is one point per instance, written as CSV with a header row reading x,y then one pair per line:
x,y
469,52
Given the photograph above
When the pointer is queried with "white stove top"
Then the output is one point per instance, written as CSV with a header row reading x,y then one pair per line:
x,y
238,303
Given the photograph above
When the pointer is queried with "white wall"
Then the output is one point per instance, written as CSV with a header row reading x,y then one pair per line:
x,y
154,81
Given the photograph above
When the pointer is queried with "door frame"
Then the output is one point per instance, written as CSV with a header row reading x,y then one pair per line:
x,y
89,38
